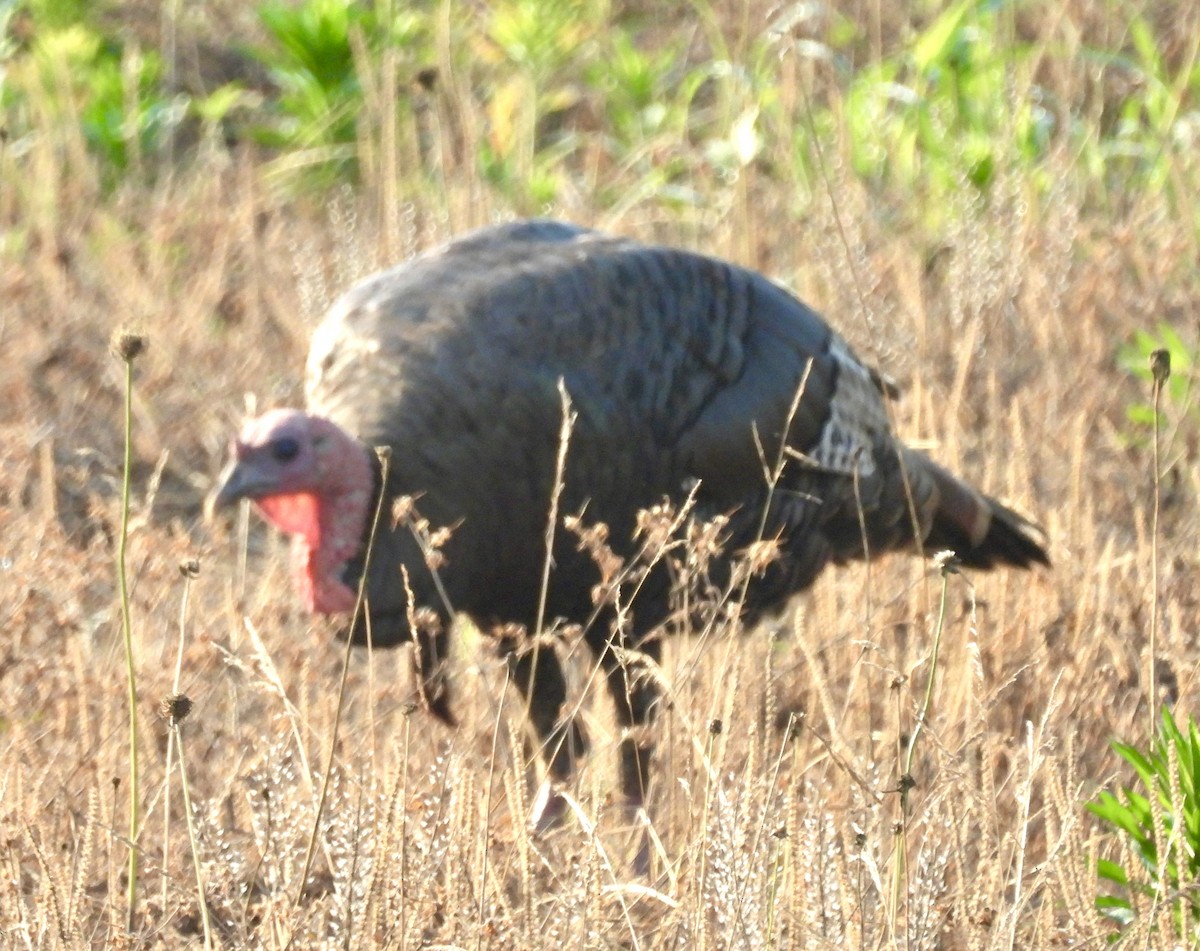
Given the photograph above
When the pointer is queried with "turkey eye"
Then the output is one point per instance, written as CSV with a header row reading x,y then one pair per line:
x,y
285,449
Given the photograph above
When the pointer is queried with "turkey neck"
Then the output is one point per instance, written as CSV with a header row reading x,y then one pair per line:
x,y
343,503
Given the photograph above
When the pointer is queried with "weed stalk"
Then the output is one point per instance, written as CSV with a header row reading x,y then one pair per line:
x,y
128,347
1160,369
487,815
175,709
385,460
188,569
948,565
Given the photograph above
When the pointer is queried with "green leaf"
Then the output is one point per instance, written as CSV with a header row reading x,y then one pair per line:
x,y
936,43
219,103
1109,808
1118,909
1135,758
1146,44
1112,872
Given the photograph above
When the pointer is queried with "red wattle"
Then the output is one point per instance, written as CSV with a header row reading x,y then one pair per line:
x,y
296,513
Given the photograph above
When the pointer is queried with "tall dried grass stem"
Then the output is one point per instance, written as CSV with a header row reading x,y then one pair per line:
x,y
127,347
385,459
1160,370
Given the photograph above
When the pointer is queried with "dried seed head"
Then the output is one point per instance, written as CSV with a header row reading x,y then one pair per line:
x,y
175,708
439,537
427,78
1160,366
425,621
402,508
128,346
190,567
715,727
655,525
435,560
759,555
946,562
593,539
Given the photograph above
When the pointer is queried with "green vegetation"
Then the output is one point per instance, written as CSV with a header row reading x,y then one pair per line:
x,y
956,107
318,111
1162,825
73,83
963,100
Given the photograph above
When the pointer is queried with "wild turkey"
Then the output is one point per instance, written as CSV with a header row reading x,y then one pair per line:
x,y
683,371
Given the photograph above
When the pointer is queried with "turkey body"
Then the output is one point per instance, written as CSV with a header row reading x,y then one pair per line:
x,y
688,377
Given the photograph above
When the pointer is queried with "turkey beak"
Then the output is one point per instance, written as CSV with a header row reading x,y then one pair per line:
x,y
237,481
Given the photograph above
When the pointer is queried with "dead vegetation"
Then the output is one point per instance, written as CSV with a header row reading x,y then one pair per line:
x,y
777,816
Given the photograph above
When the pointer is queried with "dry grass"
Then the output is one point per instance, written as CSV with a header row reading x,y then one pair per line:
x,y
1004,342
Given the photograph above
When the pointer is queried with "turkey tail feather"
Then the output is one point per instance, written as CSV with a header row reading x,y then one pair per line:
x,y
981,531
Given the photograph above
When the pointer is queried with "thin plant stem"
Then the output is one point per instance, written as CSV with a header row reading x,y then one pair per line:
x,y
187,808
560,476
188,569
927,700
1160,368
487,814
385,459
404,831
560,472
127,636
762,823
906,781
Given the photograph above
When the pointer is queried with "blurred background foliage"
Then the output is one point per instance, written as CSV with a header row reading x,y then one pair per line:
x,y
541,97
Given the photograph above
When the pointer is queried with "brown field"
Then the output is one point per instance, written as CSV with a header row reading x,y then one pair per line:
x,y
1002,329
